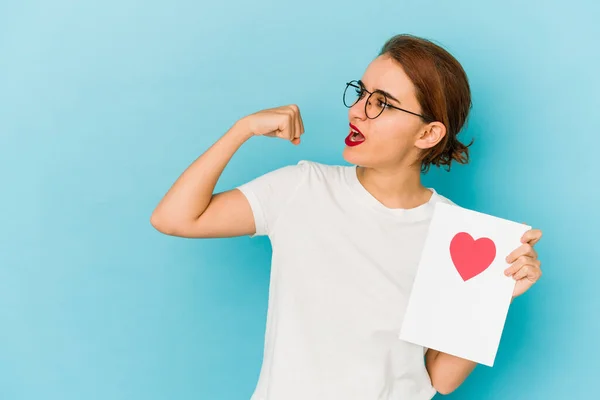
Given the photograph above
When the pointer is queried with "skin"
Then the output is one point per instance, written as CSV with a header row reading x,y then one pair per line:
x,y
390,172
192,209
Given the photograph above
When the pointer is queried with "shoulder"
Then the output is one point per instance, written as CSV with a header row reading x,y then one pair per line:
x,y
443,199
316,165
321,171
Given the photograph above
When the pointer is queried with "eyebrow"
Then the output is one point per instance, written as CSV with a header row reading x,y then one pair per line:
x,y
387,94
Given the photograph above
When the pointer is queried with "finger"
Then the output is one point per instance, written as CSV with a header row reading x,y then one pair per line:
x,y
299,125
521,273
298,128
525,249
532,236
289,127
517,265
530,272
520,263
300,120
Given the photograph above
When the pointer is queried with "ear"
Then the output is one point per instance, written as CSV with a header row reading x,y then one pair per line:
x,y
430,135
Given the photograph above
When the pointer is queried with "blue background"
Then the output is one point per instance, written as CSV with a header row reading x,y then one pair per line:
x,y
104,104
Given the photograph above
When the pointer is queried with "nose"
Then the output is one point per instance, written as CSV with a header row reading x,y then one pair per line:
x,y
357,111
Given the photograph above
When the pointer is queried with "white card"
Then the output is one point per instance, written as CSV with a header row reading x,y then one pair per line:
x,y
460,297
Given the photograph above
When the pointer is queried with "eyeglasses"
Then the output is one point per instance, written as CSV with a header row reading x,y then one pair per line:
x,y
355,91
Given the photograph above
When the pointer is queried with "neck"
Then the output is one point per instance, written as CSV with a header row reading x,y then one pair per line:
x,y
394,188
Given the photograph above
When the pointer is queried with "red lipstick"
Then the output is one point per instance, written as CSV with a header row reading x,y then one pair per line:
x,y
355,137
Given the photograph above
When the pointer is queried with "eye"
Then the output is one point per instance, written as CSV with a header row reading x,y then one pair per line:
x,y
382,104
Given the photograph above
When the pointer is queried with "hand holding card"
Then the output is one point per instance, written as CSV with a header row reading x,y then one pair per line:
x,y
460,297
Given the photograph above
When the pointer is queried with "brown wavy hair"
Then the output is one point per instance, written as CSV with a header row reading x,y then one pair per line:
x,y
442,90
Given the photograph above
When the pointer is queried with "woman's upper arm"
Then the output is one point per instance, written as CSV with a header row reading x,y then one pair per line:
x,y
228,214
250,209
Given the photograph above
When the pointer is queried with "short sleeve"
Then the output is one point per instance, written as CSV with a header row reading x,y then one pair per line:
x,y
270,193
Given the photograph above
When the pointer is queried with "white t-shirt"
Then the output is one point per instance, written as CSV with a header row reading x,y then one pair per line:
x,y
342,269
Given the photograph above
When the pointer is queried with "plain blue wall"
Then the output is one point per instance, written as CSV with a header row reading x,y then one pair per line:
x,y
103,104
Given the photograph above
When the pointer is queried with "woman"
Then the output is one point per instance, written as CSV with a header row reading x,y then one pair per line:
x,y
347,239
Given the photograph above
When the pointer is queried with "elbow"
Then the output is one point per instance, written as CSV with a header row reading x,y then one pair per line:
x,y
171,226
158,222
444,387
444,390
447,372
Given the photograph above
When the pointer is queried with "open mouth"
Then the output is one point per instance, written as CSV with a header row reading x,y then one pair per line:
x,y
355,137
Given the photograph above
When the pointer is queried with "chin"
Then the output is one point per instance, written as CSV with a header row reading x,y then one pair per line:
x,y
354,156
370,159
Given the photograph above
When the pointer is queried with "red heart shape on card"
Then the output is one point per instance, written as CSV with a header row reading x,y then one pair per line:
x,y
471,257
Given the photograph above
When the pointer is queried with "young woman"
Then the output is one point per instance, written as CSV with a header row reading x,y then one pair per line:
x,y
347,239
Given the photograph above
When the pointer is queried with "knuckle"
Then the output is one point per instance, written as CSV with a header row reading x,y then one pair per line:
x,y
519,275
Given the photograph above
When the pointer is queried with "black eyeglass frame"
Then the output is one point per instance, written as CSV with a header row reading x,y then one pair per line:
x,y
358,85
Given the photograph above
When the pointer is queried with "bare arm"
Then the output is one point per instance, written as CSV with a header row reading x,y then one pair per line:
x,y
190,209
447,372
